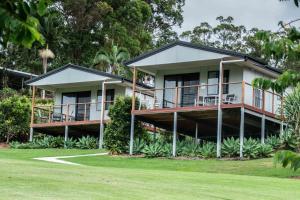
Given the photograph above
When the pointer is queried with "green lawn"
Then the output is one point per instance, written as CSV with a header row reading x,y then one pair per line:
x,y
106,177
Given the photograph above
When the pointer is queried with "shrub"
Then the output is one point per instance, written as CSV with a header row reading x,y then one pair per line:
x,y
288,140
153,150
167,150
87,142
116,137
250,148
231,147
70,143
18,145
265,150
273,141
138,146
286,158
190,149
14,116
208,150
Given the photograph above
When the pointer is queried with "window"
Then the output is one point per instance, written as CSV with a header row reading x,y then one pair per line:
x,y
110,95
257,97
79,105
187,95
213,81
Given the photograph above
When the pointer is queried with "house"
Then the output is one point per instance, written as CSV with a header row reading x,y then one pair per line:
x,y
14,78
206,93
78,100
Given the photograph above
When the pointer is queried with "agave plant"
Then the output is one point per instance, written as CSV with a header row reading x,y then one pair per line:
x,y
208,150
231,147
288,140
265,150
273,141
138,146
153,150
87,142
191,150
70,143
250,148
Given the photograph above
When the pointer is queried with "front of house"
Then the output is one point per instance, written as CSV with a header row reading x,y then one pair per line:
x,y
77,102
192,98
199,91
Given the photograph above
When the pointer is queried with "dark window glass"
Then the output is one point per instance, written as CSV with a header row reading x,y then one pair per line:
x,y
79,105
187,95
110,95
213,81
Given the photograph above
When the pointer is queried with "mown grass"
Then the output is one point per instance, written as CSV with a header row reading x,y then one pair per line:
x,y
106,177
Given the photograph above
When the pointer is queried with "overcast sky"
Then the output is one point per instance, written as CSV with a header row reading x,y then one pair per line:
x,y
264,14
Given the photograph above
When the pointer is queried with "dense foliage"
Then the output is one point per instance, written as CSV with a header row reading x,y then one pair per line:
x,y
45,142
116,134
14,115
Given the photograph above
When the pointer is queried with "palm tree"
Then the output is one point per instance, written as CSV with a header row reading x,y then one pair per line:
x,y
113,59
45,54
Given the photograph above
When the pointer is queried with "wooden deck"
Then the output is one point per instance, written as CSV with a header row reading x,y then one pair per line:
x,y
69,123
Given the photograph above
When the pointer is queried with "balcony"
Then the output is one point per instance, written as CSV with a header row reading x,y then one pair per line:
x,y
69,114
205,97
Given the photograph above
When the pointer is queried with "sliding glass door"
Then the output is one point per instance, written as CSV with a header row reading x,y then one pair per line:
x,y
79,107
186,94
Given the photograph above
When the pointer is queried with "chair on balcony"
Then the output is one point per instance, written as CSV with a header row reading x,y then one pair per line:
x,y
230,99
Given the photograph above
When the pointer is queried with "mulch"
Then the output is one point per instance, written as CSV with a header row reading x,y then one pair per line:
x,y
4,146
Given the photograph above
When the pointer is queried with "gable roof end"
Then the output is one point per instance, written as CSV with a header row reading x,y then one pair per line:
x,y
257,61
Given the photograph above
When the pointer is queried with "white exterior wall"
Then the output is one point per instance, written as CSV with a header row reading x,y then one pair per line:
x,y
94,113
235,75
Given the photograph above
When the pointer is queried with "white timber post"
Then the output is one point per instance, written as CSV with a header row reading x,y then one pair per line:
x,y
196,133
263,126
132,112
32,113
281,128
174,134
242,129
101,134
66,134
219,128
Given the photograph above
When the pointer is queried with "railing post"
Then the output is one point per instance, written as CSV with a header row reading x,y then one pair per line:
x,y
49,110
84,116
176,97
133,88
68,111
32,106
263,100
243,92
273,102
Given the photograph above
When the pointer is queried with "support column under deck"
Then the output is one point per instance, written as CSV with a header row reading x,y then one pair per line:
x,y
242,129
263,127
66,134
31,134
196,133
131,134
174,134
219,133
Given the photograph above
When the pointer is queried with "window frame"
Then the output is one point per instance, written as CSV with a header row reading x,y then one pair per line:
x,y
226,76
108,92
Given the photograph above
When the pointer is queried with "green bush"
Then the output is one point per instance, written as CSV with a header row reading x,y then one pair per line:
x,y
18,145
138,146
264,150
70,143
288,140
231,147
14,115
190,149
273,141
87,142
153,150
250,148
167,149
117,132
208,150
